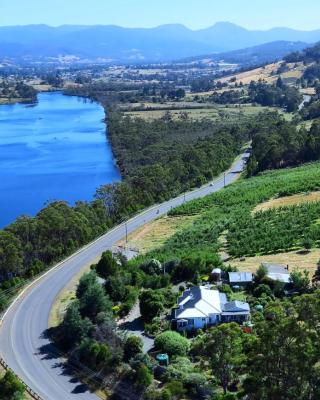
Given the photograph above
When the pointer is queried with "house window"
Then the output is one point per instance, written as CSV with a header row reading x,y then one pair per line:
x,y
191,322
203,320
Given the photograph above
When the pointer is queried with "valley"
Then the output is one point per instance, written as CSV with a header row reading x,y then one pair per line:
x,y
208,177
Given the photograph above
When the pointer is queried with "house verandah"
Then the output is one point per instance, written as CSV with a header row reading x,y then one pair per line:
x,y
200,307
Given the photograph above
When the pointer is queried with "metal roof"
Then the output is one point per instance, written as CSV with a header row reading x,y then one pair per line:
x,y
238,277
201,302
236,306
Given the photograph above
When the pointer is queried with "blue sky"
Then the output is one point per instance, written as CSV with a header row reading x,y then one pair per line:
x,y
195,14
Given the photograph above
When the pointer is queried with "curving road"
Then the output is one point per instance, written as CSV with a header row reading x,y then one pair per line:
x,y
23,342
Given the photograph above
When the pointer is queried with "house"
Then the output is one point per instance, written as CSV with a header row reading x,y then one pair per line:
x,y
277,272
240,279
200,307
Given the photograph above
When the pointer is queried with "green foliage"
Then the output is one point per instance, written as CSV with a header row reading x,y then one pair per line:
x,y
133,346
162,158
95,355
94,301
176,388
85,282
179,368
152,267
275,95
11,388
74,327
275,230
261,272
300,280
223,346
143,377
172,343
107,265
248,234
151,304
30,244
11,261
262,290
284,354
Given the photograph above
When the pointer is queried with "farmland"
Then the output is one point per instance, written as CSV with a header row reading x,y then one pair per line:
x,y
231,211
215,113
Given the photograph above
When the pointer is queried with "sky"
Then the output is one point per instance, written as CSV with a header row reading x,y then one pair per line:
x,y
195,14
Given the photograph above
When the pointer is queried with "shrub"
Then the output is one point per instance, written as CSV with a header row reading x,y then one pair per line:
x,y
107,265
172,343
11,388
176,388
95,355
151,304
132,347
143,377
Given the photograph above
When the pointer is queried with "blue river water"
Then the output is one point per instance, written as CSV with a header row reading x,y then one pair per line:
x,y
56,149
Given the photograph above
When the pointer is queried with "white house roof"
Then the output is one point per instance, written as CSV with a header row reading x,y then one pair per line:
x,y
200,301
282,277
277,272
216,271
238,277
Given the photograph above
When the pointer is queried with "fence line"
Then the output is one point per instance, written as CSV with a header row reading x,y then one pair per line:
x,y
28,389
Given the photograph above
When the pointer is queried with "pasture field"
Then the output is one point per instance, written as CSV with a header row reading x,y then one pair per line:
x,y
213,113
268,73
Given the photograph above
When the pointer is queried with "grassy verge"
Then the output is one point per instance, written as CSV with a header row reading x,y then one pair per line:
x,y
66,295
154,234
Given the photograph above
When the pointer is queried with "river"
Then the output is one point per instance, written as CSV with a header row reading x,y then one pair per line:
x,y
56,149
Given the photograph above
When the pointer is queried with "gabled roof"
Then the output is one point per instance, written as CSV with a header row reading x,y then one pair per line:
x,y
238,277
200,301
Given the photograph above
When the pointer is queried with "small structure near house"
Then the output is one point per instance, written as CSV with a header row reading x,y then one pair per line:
x,y
241,279
216,274
200,307
277,272
163,359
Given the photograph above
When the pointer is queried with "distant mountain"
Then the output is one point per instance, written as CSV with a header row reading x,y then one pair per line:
x,y
164,43
268,52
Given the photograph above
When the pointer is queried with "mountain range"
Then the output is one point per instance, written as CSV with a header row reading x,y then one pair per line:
x,y
256,55
117,44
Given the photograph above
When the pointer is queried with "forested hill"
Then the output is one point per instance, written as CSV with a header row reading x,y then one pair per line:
x,y
280,144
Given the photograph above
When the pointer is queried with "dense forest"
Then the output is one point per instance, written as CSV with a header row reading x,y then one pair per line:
x,y
31,244
278,143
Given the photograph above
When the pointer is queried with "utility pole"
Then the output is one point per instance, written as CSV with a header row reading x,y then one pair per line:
x,y
184,197
126,226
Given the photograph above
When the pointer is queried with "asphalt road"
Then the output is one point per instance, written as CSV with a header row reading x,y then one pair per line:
x,y
23,342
